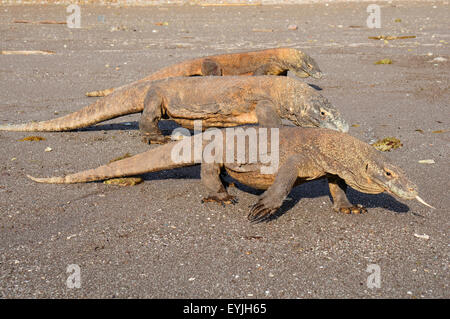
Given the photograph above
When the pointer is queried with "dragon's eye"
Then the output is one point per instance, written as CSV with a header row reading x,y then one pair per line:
x,y
323,113
388,173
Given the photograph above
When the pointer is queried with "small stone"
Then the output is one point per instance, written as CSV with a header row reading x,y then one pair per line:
x,y
439,59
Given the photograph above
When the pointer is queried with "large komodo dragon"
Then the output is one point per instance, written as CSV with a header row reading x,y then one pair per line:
x,y
216,101
304,154
263,62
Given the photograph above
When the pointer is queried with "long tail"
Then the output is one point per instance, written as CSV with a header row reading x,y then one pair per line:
x,y
121,102
156,159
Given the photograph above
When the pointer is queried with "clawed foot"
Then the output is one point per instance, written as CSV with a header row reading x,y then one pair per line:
x,y
158,139
262,210
221,199
355,209
266,205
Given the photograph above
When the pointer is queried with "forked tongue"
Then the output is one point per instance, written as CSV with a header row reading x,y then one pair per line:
x,y
423,202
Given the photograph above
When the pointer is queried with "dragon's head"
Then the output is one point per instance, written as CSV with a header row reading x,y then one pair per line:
x,y
383,176
388,177
316,111
302,65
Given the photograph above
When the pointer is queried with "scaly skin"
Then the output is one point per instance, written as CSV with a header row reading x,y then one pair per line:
x,y
264,62
216,101
304,154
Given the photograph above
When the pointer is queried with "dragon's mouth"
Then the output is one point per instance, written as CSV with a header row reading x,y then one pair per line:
x,y
398,192
409,195
303,74
337,126
340,126
343,127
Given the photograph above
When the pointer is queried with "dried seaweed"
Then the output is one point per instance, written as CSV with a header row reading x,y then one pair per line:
x,y
390,37
387,144
384,61
32,139
124,181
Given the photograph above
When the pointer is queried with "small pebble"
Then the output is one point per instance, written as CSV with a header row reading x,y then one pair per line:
x,y
424,236
439,59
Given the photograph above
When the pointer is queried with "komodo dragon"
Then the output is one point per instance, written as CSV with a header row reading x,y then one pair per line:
x,y
304,154
217,101
263,62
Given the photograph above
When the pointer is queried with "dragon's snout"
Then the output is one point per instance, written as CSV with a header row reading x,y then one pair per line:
x,y
340,125
343,126
317,75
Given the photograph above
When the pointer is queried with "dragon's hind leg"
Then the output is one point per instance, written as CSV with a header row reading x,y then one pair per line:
x,y
148,124
210,175
272,68
210,67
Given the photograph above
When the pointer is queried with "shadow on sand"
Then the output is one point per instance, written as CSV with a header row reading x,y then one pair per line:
x,y
312,189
